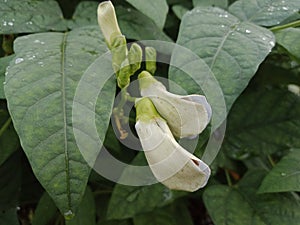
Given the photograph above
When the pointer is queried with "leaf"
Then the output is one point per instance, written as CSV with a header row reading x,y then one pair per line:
x,y
284,176
156,10
9,217
128,201
44,211
115,222
40,87
9,141
232,49
177,214
133,24
86,212
264,12
29,16
217,3
179,10
229,205
287,38
4,62
263,122
10,182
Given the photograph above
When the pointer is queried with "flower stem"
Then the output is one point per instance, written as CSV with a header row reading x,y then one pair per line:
x,y
5,126
288,25
271,161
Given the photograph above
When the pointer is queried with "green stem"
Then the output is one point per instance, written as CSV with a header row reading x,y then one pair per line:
x,y
5,126
281,27
228,178
271,161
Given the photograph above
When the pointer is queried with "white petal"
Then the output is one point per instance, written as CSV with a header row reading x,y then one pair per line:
x,y
170,163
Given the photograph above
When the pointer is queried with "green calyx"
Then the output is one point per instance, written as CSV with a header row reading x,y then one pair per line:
x,y
146,79
145,110
150,59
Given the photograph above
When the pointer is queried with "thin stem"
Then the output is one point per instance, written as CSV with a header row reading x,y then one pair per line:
x,y
228,177
5,126
271,161
281,27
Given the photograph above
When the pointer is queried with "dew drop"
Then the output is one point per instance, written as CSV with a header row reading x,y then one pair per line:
x,y
223,26
248,31
271,9
263,38
19,60
4,82
272,43
69,215
283,174
128,9
36,41
29,23
10,23
285,8
4,23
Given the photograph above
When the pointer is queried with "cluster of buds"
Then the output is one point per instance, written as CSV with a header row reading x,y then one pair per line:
x,y
160,115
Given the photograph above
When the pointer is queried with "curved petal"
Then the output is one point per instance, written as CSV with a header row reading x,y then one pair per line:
x,y
171,164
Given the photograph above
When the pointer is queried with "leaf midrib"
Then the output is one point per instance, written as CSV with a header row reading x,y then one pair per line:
x,y
63,94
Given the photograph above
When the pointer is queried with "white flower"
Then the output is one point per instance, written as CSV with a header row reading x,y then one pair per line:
x,y
171,164
107,21
187,116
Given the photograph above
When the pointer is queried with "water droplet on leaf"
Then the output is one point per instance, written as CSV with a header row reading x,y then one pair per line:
x,y
283,174
19,60
69,215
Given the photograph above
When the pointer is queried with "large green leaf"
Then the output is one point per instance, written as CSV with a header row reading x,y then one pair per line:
x,y
44,211
232,49
176,214
242,206
128,201
155,9
264,12
9,217
134,25
40,87
288,39
263,122
4,62
285,176
28,16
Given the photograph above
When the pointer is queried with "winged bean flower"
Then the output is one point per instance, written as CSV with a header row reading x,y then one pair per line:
x,y
170,163
187,116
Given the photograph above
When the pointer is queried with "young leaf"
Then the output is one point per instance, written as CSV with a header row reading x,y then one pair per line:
x,y
264,12
288,39
229,205
284,176
40,87
263,122
232,49
29,16
155,9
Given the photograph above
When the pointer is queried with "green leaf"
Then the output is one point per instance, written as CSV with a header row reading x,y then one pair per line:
x,y
155,9
44,211
86,212
288,39
242,206
9,141
10,182
115,222
264,12
263,122
218,3
28,16
232,49
137,26
133,24
171,215
9,217
128,201
284,176
40,87
179,10
4,62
